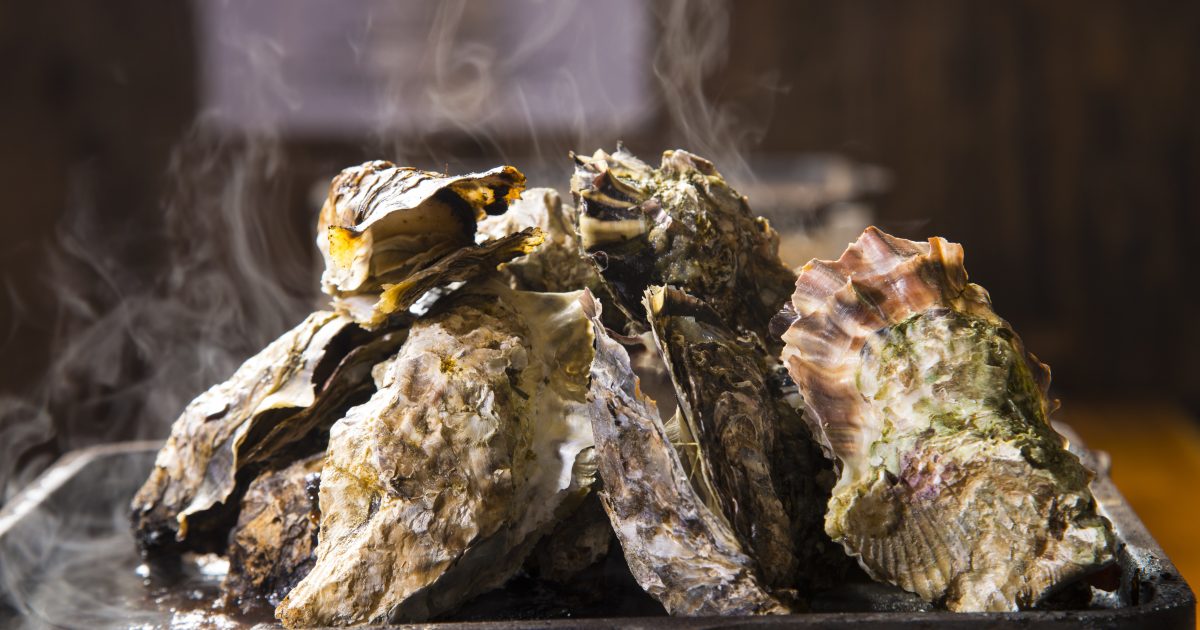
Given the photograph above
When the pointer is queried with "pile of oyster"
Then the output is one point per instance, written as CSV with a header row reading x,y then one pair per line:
x,y
504,385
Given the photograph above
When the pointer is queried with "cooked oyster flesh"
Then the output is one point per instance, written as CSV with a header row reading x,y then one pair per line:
x,y
290,388
476,443
271,547
382,222
682,553
681,225
953,484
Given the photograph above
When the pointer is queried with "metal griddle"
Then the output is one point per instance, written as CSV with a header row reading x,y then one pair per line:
x,y
65,546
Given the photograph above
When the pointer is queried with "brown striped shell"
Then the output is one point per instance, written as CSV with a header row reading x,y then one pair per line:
x,y
952,485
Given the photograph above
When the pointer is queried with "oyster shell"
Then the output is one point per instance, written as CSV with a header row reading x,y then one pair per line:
x,y
273,410
751,453
382,222
477,441
374,310
953,485
271,547
681,225
681,552
560,264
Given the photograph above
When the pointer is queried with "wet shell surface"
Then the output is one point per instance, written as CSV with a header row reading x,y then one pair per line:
x,y
476,443
952,483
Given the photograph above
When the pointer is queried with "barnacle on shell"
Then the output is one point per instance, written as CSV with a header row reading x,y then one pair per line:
x,y
953,485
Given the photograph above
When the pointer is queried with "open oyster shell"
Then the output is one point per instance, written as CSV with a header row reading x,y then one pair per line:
x,y
682,225
953,485
476,443
272,546
681,552
273,410
383,222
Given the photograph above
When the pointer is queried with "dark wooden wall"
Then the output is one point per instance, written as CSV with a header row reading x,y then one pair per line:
x,y
1058,141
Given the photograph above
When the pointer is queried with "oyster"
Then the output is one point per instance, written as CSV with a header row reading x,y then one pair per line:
x,y
560,264
272,410
731,419
681,552
476,443
953,485
681,225
382,222
271,547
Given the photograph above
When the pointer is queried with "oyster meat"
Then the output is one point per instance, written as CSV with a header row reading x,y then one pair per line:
x,y
476,443
271,547
681,225
684,554
291,391
953,485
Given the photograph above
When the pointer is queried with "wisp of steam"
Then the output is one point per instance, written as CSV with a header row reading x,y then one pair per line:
x,y
129,355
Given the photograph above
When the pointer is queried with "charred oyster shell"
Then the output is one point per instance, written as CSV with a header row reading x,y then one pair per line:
x,y
953,484
681,552
273,410
681,225
477,441
383,222
272,546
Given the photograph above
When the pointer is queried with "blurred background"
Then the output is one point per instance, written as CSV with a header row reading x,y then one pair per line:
x,y
162,164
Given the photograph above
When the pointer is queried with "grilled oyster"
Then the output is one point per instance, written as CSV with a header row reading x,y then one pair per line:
x,y
681,552
953,485
383,222
272,546
681,225
733,415
389,234
560,263
273,410
477,441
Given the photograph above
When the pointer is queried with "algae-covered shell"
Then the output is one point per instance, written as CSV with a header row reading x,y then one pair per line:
x,y
952,485
381,221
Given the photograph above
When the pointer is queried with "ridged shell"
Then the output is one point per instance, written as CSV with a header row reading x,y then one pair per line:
x,y
382,221
477,441
681,225
953,484
680,551
274,409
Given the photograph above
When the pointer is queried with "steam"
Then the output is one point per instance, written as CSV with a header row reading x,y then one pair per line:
x,y
132,348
